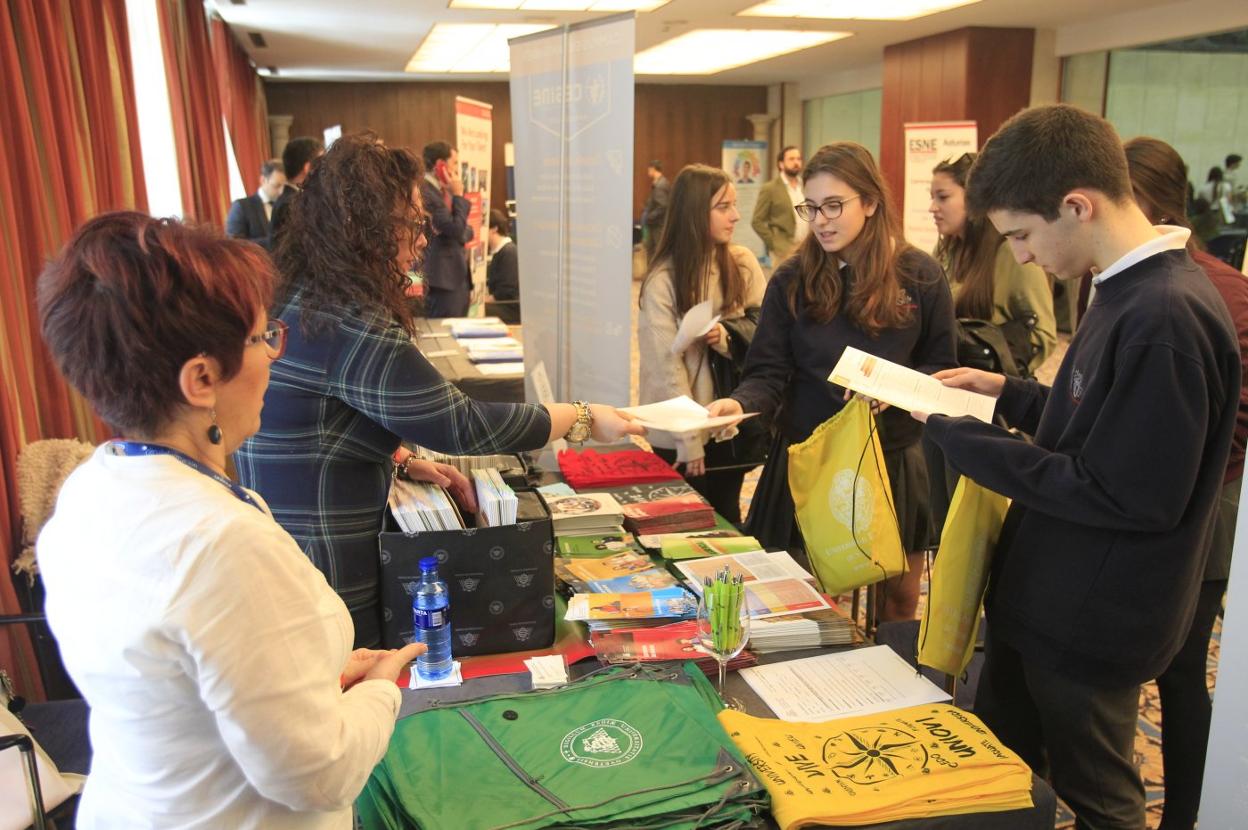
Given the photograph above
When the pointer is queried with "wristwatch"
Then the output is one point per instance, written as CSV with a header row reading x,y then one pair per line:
x,y
580,430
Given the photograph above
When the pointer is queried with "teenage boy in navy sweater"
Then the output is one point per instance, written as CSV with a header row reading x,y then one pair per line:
x,y
1095,578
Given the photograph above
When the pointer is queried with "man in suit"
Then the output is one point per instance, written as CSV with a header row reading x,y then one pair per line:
x,y
774,219
297,158
447,279
502,276
654,214
249,217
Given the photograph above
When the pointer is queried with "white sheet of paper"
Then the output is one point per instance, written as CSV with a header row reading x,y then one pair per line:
x,y
441,353
696,322
681,414
859,681
500,368
450,321
905,388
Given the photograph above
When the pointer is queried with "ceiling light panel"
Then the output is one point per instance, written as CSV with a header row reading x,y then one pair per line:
x,y
561,5
852,9
468,47
707,51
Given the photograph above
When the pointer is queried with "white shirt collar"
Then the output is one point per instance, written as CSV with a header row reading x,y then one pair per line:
x,y
1169,238
502,243
433,180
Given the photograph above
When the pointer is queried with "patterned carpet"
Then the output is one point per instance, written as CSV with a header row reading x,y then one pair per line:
x,y
1148,735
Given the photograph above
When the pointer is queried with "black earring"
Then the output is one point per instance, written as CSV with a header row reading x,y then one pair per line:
x,y
214,431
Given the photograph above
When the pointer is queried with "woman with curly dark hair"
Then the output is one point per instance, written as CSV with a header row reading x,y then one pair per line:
x,y
353,386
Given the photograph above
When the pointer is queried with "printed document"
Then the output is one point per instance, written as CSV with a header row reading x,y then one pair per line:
x,y
855,682
682,414
697,321
905,388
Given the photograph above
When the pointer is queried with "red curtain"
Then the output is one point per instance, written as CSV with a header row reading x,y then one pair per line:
x,y
71,151
196,108
242,102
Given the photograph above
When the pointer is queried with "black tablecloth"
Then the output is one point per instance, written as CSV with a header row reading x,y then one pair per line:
x,y
432,337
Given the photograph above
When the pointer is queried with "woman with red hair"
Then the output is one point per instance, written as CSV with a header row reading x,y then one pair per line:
x,y
216,659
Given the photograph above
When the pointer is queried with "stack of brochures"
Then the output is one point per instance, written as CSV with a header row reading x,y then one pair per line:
x,y
813,629
584,514
775,585
617,540
673,641
468,327
686,512
418,506
621,573
496,501
494,350
698,547
507,465
601,611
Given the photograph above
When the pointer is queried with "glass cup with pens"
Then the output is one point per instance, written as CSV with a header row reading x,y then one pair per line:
x,y
723,623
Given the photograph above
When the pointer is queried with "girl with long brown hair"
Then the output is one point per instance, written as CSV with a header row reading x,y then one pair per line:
x,y
987,282
854,282
694,262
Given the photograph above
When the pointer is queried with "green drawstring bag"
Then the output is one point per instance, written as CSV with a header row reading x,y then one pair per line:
x,y
636,746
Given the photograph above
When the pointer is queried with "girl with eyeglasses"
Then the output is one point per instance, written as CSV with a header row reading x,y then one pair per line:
x,y
853,282
987,282
695,261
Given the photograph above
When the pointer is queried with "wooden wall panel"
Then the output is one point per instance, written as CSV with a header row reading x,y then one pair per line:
x,y
677,124
976,73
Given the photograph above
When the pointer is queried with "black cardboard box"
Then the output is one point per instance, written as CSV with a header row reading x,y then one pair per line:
x,y
501,579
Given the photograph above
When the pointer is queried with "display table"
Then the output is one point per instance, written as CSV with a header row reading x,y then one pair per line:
x,y
435,342
1039,817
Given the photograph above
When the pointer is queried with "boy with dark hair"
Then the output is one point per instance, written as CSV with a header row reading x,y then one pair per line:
x,y
297,158
1097,570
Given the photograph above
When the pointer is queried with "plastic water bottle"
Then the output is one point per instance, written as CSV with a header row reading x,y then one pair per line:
x,y
431,612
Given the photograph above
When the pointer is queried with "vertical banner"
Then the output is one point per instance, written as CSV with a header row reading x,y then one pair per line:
x,y
572,126
746,164
927,145
474,140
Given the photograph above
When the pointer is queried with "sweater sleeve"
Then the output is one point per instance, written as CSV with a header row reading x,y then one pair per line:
x,y
1029,293
656,331
381,374
769,364
262,641
937,345
1159,400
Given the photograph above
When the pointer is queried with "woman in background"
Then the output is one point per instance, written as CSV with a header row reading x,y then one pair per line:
x,y
987,282
353,385
1159,178
216,661
696,261
854,282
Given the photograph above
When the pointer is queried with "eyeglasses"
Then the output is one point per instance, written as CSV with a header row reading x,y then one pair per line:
x,y
830,209
273,337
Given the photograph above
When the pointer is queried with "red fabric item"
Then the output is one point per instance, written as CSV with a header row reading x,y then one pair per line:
x,y
243,105
196,109
70,151
592,470
1233,286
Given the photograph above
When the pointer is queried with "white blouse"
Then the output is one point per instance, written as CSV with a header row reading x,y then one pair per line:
x,y
210,651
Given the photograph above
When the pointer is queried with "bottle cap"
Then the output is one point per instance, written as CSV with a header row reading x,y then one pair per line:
x,y
429,563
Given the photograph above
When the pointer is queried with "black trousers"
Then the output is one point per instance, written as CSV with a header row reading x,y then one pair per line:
x,y
1082,737
446,302
720,487
1185,713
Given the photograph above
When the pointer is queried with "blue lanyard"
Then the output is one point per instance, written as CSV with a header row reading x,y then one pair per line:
x,y
120,447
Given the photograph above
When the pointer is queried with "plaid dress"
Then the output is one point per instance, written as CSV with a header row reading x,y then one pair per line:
x,y
338,403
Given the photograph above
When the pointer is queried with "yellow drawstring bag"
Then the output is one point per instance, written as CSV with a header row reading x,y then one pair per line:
x,y
959,577
844,503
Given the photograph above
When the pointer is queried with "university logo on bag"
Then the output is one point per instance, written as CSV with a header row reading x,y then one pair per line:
x,y
522,631
873,754
469,583
523,579
468,637
602,743
850,498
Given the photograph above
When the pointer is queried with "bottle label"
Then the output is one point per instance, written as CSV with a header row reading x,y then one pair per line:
x,y
428,618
